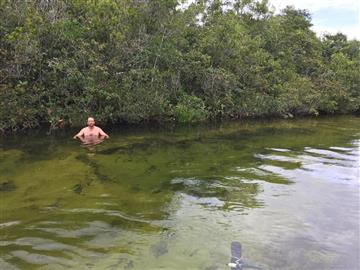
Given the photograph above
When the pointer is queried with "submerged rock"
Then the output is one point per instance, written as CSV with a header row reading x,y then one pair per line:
x,y
159,249
77,188
129,265
7,186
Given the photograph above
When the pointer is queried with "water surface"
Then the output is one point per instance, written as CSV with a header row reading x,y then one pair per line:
x,y
175,198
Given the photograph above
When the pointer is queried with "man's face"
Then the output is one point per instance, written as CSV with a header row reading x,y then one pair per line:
x,y
90,122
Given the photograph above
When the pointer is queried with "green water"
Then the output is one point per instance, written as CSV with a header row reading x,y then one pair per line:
x,y
175,198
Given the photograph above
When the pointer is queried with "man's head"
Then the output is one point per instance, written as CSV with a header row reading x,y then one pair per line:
x,y
91,122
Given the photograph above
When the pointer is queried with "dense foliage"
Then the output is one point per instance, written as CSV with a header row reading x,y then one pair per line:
x,y
155,60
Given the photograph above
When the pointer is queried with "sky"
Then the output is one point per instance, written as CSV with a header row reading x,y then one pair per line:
x,y
329,16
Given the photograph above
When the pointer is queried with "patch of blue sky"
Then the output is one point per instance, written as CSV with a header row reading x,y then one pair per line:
x,y
335,17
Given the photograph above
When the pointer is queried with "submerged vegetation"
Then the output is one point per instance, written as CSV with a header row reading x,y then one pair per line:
x,y
137,201
159,60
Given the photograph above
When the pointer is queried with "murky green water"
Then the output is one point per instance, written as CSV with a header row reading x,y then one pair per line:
x,y
175,199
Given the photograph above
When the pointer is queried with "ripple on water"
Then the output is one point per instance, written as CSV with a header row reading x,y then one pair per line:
x,y
339,164
10,223
40,259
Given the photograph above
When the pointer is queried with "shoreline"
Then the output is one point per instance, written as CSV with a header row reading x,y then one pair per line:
x,y
158,125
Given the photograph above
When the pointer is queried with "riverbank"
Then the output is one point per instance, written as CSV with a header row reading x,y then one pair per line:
x,y
46,129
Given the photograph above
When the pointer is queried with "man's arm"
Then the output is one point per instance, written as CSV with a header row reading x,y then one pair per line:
x,y
80,134
103,134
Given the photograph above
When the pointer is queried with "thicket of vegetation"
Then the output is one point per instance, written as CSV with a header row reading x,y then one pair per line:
x,y
154,60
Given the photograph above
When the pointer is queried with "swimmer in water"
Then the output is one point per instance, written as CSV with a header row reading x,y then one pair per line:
x,y
91,134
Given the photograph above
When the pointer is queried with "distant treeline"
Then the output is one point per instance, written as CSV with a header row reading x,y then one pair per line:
x,y
157,60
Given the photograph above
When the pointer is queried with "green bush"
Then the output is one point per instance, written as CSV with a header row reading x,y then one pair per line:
x,y
190,109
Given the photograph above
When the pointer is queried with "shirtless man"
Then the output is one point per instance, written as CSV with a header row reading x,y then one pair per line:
x,y
91,131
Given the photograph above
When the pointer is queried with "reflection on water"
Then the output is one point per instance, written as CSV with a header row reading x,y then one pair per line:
x,y
90,142
176,199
